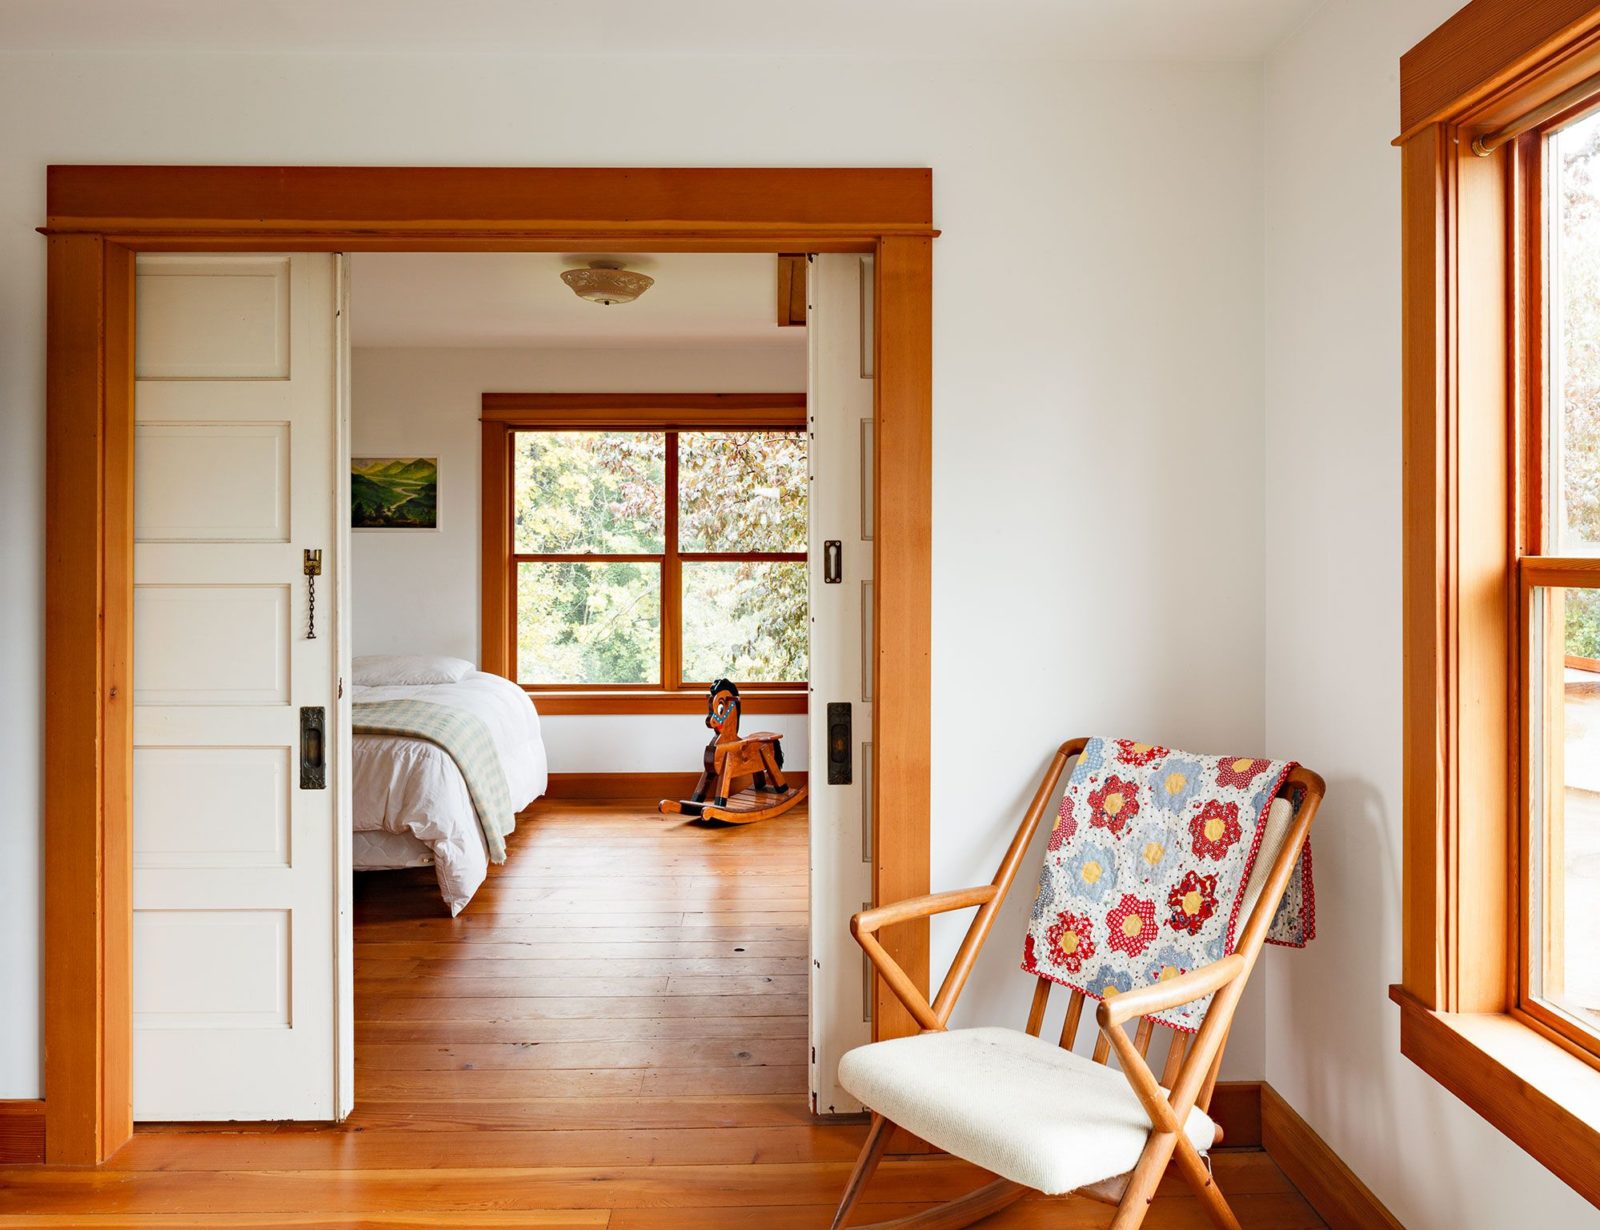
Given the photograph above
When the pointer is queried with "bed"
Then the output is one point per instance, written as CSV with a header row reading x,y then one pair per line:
x,y
412,806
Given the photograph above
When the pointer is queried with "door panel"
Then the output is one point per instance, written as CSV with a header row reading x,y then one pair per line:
x,y
839,406
236,472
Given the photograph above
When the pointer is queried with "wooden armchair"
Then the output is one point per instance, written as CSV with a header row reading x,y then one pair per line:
x,y
1038,1115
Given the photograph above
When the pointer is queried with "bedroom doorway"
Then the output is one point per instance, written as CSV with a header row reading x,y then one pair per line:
x,y
101,217
606,507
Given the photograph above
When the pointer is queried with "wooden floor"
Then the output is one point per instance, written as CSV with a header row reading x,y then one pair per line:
x,y
613,1034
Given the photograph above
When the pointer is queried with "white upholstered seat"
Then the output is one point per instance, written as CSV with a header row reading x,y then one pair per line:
x,y
1011,1103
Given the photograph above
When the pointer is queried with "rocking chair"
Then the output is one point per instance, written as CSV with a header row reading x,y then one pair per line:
x,y
1034,1113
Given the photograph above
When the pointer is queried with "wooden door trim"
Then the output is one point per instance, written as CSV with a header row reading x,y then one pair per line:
x,y
99,217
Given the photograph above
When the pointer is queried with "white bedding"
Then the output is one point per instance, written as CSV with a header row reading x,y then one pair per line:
x,y
409,788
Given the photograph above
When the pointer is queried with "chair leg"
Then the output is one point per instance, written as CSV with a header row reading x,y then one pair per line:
x,y
1142,1184
871,1154
1199,1177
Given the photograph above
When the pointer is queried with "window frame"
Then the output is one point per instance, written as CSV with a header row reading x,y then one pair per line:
x,y
1473,519
505,414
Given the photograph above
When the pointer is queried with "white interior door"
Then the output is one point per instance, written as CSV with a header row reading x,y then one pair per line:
x,y
839,406
237,905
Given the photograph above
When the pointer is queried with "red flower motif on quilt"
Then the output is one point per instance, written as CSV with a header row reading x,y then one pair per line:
x,y
1070,942
1215,829
1132,924
1113,805
1192,902
1240,772
1066,825
1140,755
1028,963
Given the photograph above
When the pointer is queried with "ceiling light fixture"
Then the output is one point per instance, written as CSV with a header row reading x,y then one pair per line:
x,y
607,282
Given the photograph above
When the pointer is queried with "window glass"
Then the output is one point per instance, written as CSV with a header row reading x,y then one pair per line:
x,y
1564,803
741,491
1573,313
600,492
589,622
744,621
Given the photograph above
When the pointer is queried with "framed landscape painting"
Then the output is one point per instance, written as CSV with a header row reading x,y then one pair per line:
x,y
394,493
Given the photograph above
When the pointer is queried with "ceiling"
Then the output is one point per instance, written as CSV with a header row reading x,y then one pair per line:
x,y
968,29
496,299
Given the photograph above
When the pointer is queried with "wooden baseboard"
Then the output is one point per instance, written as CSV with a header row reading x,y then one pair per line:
x,y
632,785
21,1131
1331,1188
1236,1105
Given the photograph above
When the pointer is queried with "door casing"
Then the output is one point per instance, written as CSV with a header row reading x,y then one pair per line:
x,y
100,217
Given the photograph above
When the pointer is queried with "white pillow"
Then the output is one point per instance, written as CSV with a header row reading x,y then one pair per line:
x,y
376,670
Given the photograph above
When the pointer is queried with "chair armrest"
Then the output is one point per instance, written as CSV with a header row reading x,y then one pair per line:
x,y
1158,997
873,920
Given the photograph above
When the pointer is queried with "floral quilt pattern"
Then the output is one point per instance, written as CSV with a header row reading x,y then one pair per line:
x,y
1146,868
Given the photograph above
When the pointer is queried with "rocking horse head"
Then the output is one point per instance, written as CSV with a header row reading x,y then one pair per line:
x,y
722,707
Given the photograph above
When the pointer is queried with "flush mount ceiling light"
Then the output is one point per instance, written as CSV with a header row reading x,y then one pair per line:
x,y
606,282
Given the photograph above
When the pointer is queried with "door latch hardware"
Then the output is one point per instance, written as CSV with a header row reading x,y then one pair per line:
x,y
839,742
313,570
313,748
832,562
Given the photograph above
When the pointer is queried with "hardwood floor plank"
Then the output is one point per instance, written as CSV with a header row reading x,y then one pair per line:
x,y
467,1056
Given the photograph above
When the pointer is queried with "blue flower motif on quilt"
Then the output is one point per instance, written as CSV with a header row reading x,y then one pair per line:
x,y
1109,980
1166,963
1092,758
1045,902
1093,871
1177,783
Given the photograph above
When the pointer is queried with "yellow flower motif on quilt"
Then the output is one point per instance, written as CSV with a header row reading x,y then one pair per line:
x,y
1167,974
1092,871
1192,900
1215,828
1174,783
1153,852
1113,803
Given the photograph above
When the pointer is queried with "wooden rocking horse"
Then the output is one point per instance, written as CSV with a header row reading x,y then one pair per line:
x,y
730,760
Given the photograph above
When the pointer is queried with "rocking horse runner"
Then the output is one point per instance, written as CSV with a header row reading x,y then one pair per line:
x,y
729,759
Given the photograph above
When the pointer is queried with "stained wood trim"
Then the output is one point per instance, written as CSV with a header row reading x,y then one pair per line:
x,y
99,215
630,786
1329,1185
1236,1106
21,1131
566,703
793,271
661,411
902,552
793,202
1541,1096
87,916
1424,550
1483,49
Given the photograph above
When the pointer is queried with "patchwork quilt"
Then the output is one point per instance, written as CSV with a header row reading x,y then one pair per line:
x,y
1147,866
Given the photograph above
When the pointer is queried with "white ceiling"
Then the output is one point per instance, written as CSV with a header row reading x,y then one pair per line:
x,y
518,299
1035,29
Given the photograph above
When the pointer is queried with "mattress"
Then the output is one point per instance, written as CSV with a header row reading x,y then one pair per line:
x,y
410,788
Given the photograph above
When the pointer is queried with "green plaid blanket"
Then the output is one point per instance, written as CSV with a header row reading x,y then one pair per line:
x,y
467,740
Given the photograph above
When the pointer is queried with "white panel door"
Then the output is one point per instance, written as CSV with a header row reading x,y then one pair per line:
x,y
237,911
839,406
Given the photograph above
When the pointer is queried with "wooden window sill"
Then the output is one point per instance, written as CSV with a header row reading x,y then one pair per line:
x,y
1538,1093
581,702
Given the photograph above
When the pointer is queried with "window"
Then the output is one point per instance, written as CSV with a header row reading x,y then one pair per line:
x,y
648,552
1500,999
1558,965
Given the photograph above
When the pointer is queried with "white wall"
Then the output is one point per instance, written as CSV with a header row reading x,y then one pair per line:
x,y
1098,462
1333,659
425,403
